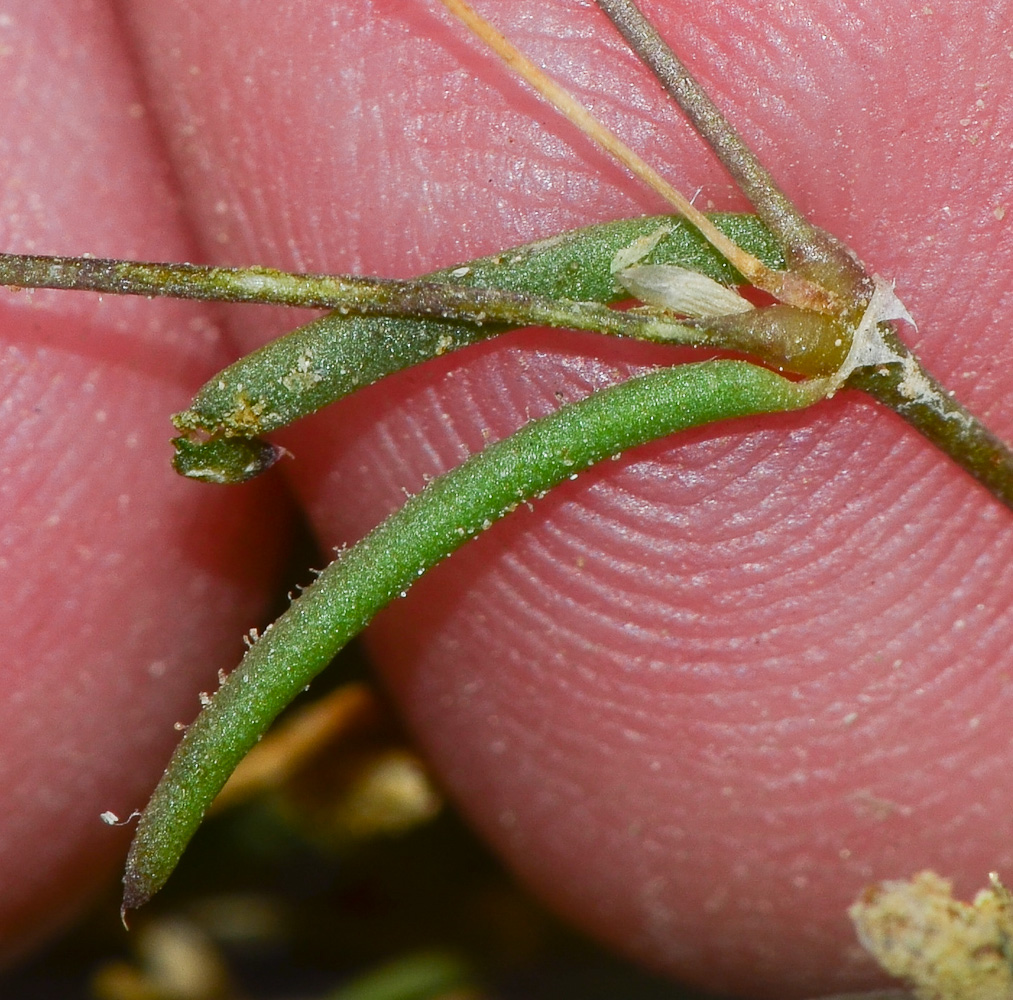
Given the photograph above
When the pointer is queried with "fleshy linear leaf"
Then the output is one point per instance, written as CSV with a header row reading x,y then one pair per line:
x,y
430,526
324,360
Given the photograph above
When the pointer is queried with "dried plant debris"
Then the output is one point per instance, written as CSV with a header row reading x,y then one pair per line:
x,y
944,948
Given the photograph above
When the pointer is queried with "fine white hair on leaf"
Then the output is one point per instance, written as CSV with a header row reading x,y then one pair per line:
x,y
681,291
111,819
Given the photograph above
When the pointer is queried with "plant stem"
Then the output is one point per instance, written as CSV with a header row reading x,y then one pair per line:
x,y
752,177
801,241
906,388
913,394
347,295
430,526
481,309
784,285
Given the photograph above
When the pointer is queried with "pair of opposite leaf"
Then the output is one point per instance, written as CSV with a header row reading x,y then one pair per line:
x,y
827,325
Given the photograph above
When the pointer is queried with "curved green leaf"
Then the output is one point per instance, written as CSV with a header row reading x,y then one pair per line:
x,y
430,526
331,357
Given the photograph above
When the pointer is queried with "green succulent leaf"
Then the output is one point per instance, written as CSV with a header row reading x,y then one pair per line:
x,y
331,357
384,564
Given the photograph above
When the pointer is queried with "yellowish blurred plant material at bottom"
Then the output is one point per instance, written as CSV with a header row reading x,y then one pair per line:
x,y
342,767
944,948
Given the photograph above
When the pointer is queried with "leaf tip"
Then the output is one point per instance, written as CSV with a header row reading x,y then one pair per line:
x,y
135,894
224,460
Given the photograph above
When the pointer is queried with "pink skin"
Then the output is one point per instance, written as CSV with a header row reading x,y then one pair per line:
x,y
697,699
124,589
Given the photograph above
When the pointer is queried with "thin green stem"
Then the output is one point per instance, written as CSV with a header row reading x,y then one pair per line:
x,y
915,395
348,295
752,177
322,361
802,242
431,525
